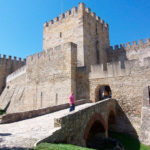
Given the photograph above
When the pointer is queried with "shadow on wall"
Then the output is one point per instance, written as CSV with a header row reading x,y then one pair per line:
x,y
82,83
117,54
5,109
117,122
123,125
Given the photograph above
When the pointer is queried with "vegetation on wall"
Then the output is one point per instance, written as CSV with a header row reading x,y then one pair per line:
x,y
2,111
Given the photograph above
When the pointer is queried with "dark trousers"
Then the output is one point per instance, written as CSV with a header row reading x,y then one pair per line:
x,y
72,107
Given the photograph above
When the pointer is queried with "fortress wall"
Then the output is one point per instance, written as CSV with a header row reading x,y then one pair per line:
x,y
82,88
51,77
129,51
7,66
127,85
15,74
82,27
13,97
67,27
47,80
96,38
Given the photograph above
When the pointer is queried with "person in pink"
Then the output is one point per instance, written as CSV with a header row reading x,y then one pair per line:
x,y
71,102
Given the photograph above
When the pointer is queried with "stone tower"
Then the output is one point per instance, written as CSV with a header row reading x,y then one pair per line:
x,y
82,27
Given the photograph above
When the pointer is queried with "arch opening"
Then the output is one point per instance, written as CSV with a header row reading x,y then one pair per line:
x,y
102,92
96,133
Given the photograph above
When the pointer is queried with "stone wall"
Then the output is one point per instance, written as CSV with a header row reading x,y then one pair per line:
x,y
82,88
127,82
13,117
13,96
96,38
74,127
49,79
129,52
7,66
145,119
82,27
66,28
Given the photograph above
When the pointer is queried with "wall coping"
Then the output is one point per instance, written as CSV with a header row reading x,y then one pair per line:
x,y
13,117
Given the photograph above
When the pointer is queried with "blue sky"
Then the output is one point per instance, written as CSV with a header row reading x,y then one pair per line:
x,y
21,21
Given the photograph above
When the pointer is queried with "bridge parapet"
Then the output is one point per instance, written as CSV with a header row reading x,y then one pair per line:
x,y
74,127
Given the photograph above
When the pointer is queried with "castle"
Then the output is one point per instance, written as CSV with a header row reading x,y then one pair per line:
x,y
77,57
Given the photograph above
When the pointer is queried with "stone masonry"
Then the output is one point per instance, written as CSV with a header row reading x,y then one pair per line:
x,y
7,66
70,128
41,81
77,57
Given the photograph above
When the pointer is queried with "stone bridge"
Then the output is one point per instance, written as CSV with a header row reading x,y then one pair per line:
x,y
77,127
60,126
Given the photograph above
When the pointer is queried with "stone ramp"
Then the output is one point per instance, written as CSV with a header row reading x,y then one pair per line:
x,y
26,133
7,96
11,95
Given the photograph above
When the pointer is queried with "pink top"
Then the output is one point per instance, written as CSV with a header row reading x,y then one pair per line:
x,y
71,97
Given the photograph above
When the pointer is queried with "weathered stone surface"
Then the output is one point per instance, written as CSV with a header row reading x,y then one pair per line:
x,y
48,80
13,117
75,127
7,66
25,133
127,87
51,75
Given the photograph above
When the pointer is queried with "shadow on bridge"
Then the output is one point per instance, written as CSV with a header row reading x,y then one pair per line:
x,y
5,134
14,148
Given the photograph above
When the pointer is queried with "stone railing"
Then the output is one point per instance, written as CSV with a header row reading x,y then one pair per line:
x,y
8,118
70,128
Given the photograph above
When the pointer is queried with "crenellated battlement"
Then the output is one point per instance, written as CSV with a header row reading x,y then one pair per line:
x,y
99,20
48,54
81,9
118,68
4,59
37,56
136,50
8,65
131,45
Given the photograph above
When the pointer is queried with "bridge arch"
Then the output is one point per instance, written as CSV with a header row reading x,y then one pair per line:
x,y
102,92
96,125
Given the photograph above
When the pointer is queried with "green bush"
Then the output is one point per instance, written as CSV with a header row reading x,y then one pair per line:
x,y
2,112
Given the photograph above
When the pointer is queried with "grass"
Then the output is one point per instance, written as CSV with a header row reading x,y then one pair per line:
x,y
48,146
127,141
2,112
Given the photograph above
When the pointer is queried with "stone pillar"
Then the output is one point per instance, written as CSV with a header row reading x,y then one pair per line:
x,y
72,64
145,118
